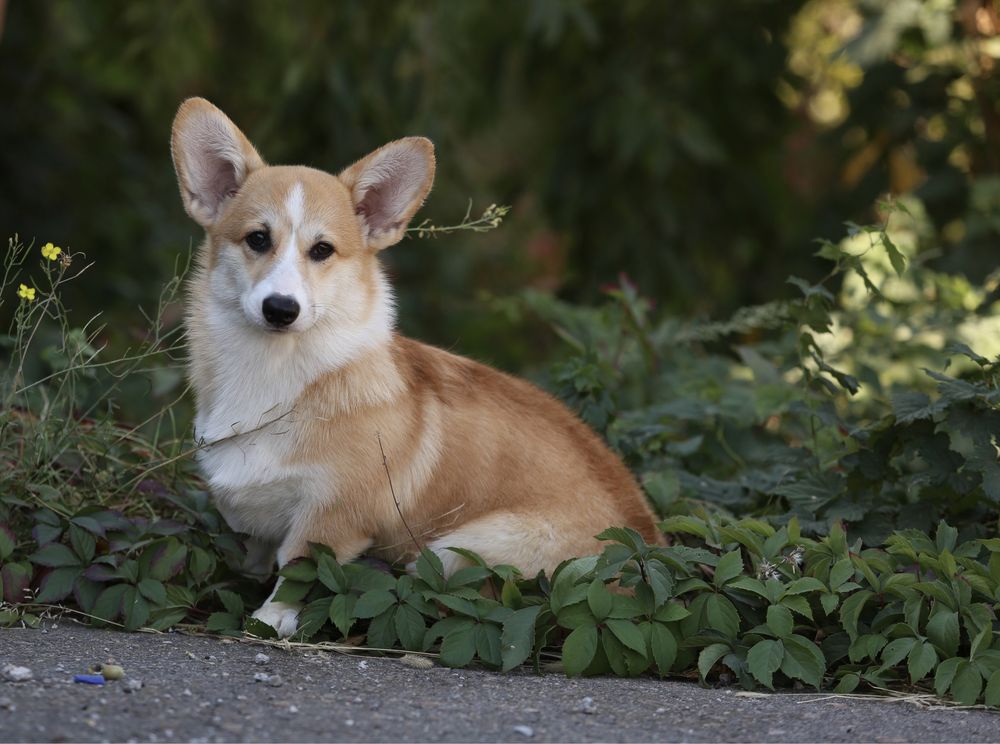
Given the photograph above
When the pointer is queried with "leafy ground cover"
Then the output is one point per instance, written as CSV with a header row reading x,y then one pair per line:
x,y
825,467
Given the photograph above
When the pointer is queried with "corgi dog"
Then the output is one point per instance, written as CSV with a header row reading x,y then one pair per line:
x,y
302,382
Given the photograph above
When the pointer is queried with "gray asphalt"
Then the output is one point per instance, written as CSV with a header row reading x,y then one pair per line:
x,y
203,689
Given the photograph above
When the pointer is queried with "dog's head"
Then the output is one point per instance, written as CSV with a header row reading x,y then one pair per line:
x,y
290,247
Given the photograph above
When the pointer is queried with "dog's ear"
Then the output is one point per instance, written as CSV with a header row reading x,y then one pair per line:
x,y
212,158
388,187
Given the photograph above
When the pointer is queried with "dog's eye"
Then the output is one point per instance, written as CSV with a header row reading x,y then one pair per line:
x,y
258,240
321,251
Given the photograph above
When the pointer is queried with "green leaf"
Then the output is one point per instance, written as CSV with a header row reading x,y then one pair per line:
x,y
230,600
850,611
330,574
945,675
922,659
803,660
967,685
382,629
251,625
311,618
468,576
109,604
55,555
84,544
805,584
431,570
992,691
578,650
895,651
709,656
156,593
300,569
599,599
779,620
219,621
459,604
8,541
895,256
664,647
628,633
135,609
373,603
764,659
671,612
518,637
728,568
487,637
410,628
291,591
847,684
342,612
943,631
164,560
722,615
58,583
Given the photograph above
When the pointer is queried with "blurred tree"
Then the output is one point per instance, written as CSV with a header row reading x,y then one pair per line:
x,y
642,137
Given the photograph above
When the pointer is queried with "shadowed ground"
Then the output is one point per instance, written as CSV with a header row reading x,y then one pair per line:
x,y
203,689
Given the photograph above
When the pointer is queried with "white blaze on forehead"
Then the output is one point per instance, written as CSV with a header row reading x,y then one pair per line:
x,y
295,205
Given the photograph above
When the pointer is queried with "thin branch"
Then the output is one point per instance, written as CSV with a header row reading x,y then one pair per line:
x,y
399,510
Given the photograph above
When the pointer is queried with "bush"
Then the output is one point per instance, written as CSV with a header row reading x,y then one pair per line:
x,y
825,466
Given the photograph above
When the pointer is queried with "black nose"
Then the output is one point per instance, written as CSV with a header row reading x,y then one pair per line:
x,y
280,310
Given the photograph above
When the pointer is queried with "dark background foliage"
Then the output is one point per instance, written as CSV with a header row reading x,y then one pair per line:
x,y
698,147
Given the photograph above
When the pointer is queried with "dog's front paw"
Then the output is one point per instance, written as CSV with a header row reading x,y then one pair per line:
x,y
281,616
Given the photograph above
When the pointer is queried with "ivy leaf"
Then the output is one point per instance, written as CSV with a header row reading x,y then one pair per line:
x,y
230,600
992,691
58,584
135,609
341,612
410,628
259,628
896,257
459,646
728,568
301,570
722,615
374,602
330,574
431,570
922,659
764,659
709,656
55,555
599,600
578,650
220,621
945,675
850,611
8,541
779,620
487,637
109,603
84,544
967,685
848,684
627,632
664,647
897,650
803,660
943,631
518,637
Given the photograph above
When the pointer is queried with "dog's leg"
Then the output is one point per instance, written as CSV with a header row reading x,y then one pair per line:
x,y
283,616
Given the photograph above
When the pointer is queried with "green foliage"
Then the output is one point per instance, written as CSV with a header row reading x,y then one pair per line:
x,y
832,511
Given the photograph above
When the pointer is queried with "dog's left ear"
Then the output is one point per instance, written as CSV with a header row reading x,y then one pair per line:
x,y
388,187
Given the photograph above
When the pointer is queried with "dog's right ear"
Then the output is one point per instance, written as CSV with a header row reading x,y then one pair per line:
x,y
212,158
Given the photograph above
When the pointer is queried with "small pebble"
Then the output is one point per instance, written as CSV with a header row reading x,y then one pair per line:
x,y
587,706
525,731
14,673
261,659
112,671
7,704
275,680
133,685
362,665
261,677
415,661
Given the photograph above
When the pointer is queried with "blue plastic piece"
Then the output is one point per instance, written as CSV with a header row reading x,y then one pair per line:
x,y
89,679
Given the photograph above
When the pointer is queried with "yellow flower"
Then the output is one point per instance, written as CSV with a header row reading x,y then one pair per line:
x,y
26,293
51,252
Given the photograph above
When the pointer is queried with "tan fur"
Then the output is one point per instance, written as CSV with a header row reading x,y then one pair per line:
x,y
478,459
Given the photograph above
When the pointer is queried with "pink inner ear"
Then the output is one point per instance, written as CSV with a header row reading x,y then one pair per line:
x,y
376,209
